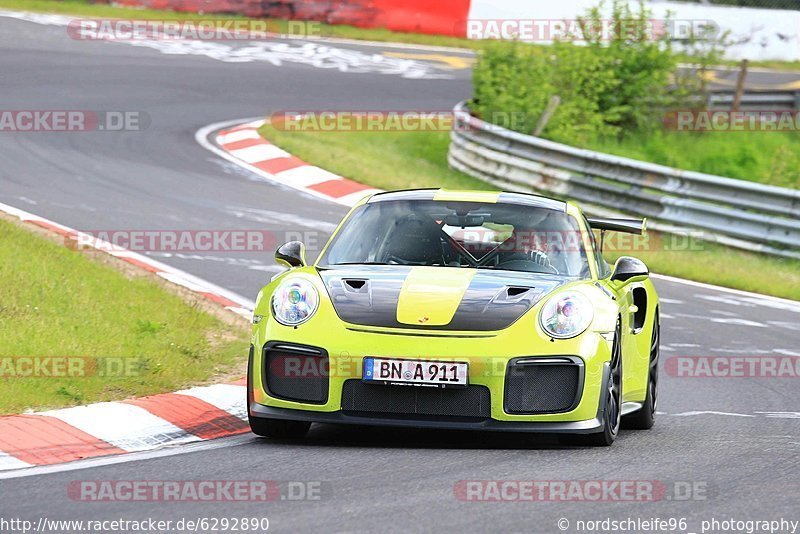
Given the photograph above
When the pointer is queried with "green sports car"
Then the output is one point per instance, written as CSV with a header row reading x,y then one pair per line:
x,y
458,309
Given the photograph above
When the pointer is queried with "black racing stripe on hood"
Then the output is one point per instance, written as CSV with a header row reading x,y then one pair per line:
x,y
487,304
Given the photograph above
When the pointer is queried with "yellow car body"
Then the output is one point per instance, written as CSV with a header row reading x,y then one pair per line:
x,y
330,350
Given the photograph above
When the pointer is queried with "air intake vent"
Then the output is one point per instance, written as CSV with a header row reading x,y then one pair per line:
x,y
296,373
543,385
416,402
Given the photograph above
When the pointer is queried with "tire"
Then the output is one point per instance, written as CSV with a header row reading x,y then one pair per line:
x,y
279,428
272,428
612,414
644,418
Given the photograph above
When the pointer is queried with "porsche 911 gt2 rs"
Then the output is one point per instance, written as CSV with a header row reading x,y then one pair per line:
x,y
458,309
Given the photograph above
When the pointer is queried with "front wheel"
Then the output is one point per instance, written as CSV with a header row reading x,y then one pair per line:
x,y
612,415
278,428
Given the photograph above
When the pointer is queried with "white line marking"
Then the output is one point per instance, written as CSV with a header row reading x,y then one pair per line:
x,y
723,320
726,300
179,279
201,136
307,175
227,397
751,352
781,415
786,352
317,53
9,462
785,324
406,46
273,217
128,427
244,312
90,463
353,198
723,313
793,304
690,414
160,268
742,322
258,153
238,135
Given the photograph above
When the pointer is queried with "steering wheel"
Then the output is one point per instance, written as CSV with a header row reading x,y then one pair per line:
x,y
400,261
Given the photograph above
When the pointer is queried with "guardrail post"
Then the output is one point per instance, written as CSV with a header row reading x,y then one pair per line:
x,y
738,213
737,97
555,100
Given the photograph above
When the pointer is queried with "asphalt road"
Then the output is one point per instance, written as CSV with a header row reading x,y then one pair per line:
x,y
734,440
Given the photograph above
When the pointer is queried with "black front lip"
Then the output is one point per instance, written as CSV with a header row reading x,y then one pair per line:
x,y
589,426
574,427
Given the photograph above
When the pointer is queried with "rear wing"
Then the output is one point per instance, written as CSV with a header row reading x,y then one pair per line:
x,y
629,226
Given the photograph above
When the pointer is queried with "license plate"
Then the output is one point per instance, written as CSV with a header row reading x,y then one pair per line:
x,y
415,372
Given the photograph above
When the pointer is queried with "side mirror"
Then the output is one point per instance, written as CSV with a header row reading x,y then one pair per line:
x,y
292,254
629,269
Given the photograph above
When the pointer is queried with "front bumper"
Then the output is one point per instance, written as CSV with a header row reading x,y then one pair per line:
x,y
589,426
585,417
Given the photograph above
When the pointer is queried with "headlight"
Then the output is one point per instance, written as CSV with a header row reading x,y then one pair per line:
x,y
566,315
294,302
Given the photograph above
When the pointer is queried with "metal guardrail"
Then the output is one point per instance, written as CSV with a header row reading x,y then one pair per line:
x,y
761,100
739,213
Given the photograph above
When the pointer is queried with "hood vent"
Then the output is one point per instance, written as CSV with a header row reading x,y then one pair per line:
x,y
516,291
513,294
355,285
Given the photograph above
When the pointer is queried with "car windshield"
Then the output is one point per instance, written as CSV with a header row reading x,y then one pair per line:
x,y
501,236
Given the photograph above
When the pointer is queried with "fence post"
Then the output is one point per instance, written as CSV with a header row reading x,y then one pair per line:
x,y
737,98
555,100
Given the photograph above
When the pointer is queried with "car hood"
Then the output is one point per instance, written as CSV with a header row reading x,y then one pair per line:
x,y
443,298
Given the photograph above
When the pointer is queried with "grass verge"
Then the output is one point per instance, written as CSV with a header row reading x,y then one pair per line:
x,y
401,160
62,303
766,157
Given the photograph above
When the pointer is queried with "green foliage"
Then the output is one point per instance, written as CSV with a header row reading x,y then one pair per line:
x,y
766,157
615,80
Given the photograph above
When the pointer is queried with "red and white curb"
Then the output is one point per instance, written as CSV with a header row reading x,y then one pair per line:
x,y
107,428
196,414
242,144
